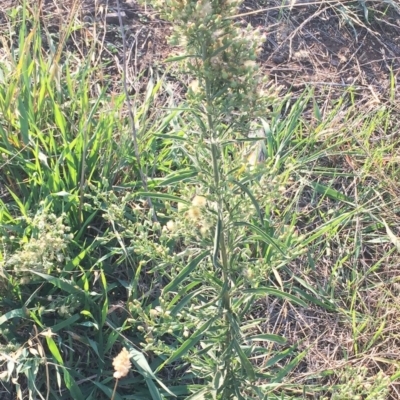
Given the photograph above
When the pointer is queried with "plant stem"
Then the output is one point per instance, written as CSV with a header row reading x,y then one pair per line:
x,y
115,388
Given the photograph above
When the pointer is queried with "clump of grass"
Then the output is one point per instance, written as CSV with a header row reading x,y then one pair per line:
x,y
61,141
357,385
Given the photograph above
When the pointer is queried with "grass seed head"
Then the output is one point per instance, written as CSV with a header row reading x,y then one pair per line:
x,y
122,364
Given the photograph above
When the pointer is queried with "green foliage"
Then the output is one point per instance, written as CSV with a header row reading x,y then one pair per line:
x,y
60,142
43,249
248,208
357,385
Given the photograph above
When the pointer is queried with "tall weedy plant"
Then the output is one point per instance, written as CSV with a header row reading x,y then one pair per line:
x,y
219,245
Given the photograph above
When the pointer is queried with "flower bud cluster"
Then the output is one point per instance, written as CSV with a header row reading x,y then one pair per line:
x,y
219,53
44,249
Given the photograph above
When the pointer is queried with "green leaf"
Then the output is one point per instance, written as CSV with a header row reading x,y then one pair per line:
x,y
69,381
220,49
251,197
263,235
155,394
289,367
185,272
268,337
67,323
61,283
317,112
20,204
275,292
245,361
178,58
18,313
178,177
23,122
189,343
279,356
185,289
185,300
163,196
327,227
327,305
54,350
329,192
59,119
107,390
201,394
143,366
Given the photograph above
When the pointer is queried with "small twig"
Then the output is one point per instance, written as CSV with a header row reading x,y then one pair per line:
x,y
282,7
336,84
143,177
353,55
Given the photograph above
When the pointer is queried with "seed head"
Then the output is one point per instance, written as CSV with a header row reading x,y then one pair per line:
x,y
171,226
194,213
122,364
199,201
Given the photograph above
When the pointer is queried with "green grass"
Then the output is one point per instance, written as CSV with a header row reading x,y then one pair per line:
x,y
223,279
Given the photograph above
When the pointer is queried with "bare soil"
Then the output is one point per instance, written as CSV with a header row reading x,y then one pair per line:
x,y
319,44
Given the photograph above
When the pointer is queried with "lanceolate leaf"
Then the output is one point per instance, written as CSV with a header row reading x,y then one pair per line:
x,y
244,361
263,235
162,196
143,367
69,381
188,344
289,367
18,313
61,283
185,272
275,292
268,337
